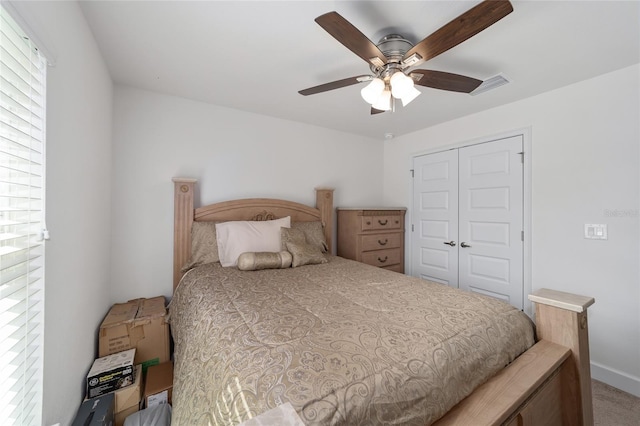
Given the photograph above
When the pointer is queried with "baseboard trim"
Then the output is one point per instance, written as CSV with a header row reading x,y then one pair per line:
x,y
615,378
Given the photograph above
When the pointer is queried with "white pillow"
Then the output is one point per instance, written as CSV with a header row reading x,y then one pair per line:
x,y
237,237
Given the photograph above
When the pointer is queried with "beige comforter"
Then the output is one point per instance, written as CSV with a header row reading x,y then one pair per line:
x,y
344,343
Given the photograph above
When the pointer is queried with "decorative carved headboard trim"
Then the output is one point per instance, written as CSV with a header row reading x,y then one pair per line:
x,y
245,209
264,215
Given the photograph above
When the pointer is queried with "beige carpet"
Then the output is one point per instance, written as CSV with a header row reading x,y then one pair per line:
x,y
613,407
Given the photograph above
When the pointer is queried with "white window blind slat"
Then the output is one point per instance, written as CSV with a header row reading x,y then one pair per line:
x,y
17,258
13,322
22,158
19,90
18,76
18,104
13,39
23,96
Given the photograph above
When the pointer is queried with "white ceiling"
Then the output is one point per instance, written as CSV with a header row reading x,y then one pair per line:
x,y
255,55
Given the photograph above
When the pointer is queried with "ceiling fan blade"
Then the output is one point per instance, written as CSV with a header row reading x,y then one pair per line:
x,y
375,111
334,85
460,29
445,81
351,37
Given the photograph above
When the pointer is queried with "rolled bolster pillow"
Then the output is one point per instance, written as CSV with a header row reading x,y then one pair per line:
x,y
252,261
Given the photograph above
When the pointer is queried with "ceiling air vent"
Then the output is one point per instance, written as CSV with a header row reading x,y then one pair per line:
x,y
490,84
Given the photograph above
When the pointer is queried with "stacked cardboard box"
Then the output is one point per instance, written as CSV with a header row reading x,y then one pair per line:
x,y
128,399
123,402
132,334
111,373
139,324
159,384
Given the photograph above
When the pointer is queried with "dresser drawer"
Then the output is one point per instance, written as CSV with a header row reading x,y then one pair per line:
x,y
382,257
378,223
374,236
381,241
395,268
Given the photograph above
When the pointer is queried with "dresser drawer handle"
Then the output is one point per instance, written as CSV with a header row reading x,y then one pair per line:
x,y
383,223
383,243
383,260
368,222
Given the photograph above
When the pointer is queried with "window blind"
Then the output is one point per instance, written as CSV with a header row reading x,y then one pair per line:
x,y
22,100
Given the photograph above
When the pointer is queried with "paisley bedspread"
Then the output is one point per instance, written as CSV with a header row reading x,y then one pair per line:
x,y
344,343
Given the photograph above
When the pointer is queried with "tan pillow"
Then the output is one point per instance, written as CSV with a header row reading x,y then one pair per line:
x,y
293,235
264,260
204,246
314,233
237,237
304,254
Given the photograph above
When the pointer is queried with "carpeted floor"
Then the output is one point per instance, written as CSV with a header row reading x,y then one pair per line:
x,y
613,407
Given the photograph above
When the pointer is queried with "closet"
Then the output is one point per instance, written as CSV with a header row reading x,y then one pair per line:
x,y
467,219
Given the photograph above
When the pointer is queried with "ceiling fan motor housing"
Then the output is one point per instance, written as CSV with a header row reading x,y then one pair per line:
x,y
393,46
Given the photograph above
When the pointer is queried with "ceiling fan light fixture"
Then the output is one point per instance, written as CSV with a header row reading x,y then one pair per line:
x,y
401,85
372,91
393,55
409,96
383,103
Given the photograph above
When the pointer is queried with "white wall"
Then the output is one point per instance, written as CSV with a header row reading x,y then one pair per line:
x,y
585,162
78,202
234,154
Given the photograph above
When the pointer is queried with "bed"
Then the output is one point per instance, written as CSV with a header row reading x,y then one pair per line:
x,y
341,342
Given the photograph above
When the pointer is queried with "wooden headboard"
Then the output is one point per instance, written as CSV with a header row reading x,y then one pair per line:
x,y
185,214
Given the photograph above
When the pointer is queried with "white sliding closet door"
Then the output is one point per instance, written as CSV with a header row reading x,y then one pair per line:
x,y
468,219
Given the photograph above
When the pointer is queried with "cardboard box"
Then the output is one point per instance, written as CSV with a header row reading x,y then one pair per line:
x,y
139,324
122,415
96,412
128,399
111,373
159,384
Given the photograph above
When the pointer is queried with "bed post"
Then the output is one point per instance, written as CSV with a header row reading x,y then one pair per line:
x,y
562,318
324,203
182,221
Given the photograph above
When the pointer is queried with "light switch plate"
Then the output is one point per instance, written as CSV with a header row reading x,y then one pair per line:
x,y
593,231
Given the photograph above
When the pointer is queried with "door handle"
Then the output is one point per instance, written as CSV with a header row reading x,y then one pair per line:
x,y
450,243
464,245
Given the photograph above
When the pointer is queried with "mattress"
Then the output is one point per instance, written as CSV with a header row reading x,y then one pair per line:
x,y
344,343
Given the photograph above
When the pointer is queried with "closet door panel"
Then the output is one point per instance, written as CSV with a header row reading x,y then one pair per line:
x,y
435,218
491,219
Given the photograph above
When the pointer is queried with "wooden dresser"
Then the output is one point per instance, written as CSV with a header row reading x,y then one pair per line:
x,y
374,236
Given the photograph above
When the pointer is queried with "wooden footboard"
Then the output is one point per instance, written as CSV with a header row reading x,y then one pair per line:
x,y
550,384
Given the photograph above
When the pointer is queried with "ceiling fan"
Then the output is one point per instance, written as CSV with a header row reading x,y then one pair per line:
x,y
393,57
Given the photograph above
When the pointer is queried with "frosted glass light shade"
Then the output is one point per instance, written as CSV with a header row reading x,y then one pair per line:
x,y
384,101
411,94
372,91
401,85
